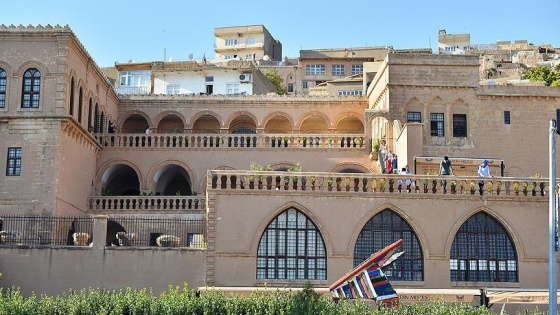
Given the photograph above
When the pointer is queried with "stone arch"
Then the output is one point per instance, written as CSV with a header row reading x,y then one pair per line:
x,y
33,64
358,168
134,121
496,216
168,121
413,105
8,68
436,103
350,123
200,115
242,119
155,182
278,122
412,232
292,204
314,122
110,168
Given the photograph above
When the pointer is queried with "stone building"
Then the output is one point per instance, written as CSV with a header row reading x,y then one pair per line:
x,y
320,208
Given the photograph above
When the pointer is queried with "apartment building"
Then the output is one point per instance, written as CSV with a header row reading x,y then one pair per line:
x,y
250,42
314,203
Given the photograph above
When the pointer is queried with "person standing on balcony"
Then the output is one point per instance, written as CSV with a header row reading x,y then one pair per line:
x,y
382,154
445,170
389,162
148,132
483,171
395,164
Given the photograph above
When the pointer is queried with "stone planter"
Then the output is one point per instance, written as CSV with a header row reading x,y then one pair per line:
x,y
126,239
168,241
9,237
81,238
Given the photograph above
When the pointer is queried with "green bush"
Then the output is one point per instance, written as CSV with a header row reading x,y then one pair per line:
x,y
185,301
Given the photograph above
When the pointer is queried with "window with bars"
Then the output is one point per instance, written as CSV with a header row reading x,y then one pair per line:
x,y
315,69
3,85
507,117
31,88
483,250
459,125
13,164
437,125
292,248
357,69
413,117
384,229
338,69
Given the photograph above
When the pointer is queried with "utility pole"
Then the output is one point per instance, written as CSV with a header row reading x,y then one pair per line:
x,y
552,222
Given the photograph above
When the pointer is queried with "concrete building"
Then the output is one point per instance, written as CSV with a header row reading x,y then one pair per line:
x,y
322,207
250,42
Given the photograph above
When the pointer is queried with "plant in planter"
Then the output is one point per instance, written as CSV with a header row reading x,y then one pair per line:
x,y
312,182
490,187
330,142
434,185
373,184
472,186
286,140
168,241
330,183
534,188
534,185
347,184
364,184
382,184
126,239
80,238
498,187
375,145
425,183
304,142
542,186
516,188
453,186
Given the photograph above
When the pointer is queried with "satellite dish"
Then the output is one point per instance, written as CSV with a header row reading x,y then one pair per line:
x,y
191,56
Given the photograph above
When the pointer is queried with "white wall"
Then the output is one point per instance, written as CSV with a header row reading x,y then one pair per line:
x,y
194,81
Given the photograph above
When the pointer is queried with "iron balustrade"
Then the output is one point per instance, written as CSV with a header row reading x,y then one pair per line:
x,y
376,183
222,141
42,230
145,231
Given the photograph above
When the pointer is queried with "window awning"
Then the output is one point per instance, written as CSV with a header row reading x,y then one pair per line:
x,y
446,295
517,296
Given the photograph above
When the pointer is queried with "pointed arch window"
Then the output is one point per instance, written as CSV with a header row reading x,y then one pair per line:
x,y
31,88
292,248
483,250
72,87
384,229
80,104
3,85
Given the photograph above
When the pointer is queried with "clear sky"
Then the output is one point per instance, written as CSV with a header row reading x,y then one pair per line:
x,y
117,31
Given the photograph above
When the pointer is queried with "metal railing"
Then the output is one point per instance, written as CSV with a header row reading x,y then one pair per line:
x,y
222,141
152,231
43,230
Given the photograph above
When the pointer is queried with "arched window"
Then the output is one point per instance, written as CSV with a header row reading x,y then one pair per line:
x,y
80,104
483,251
244,130
3,84
384,229
97,119
31,88
292,248
72,87
89,115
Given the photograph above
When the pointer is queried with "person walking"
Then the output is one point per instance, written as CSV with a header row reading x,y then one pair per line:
x,y
445,170
483,171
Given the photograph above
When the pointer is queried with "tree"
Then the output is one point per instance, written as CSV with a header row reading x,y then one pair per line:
x,y
543,73
275,78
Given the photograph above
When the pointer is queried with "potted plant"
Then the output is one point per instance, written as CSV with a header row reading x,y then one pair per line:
x,y
286,182
304,142
434,185
126,239
453,187
541,186
373,184
312,182
168,241
534,185
286,139
273,141
330,142
498,187
80,238
382,184
516,188
524,189
489,187
330,183
347,183
534,188
472,186
425,183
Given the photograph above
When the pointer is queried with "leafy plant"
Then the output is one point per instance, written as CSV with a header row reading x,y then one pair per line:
x,y
376,144
472,185
330,182
516,187
490,187
453,184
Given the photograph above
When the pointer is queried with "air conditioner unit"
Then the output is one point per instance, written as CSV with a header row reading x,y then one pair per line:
x,y
245,77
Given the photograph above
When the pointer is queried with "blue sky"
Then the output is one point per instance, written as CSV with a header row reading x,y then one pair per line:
x,y
141,30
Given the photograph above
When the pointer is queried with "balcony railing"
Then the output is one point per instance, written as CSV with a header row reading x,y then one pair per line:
x,y
134,90
147,203
219,141
377,183
43,230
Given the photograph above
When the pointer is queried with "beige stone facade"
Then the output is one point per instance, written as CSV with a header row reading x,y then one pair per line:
x,y
195,166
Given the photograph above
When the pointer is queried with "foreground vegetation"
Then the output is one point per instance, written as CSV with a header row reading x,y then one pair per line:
x,y
185,301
